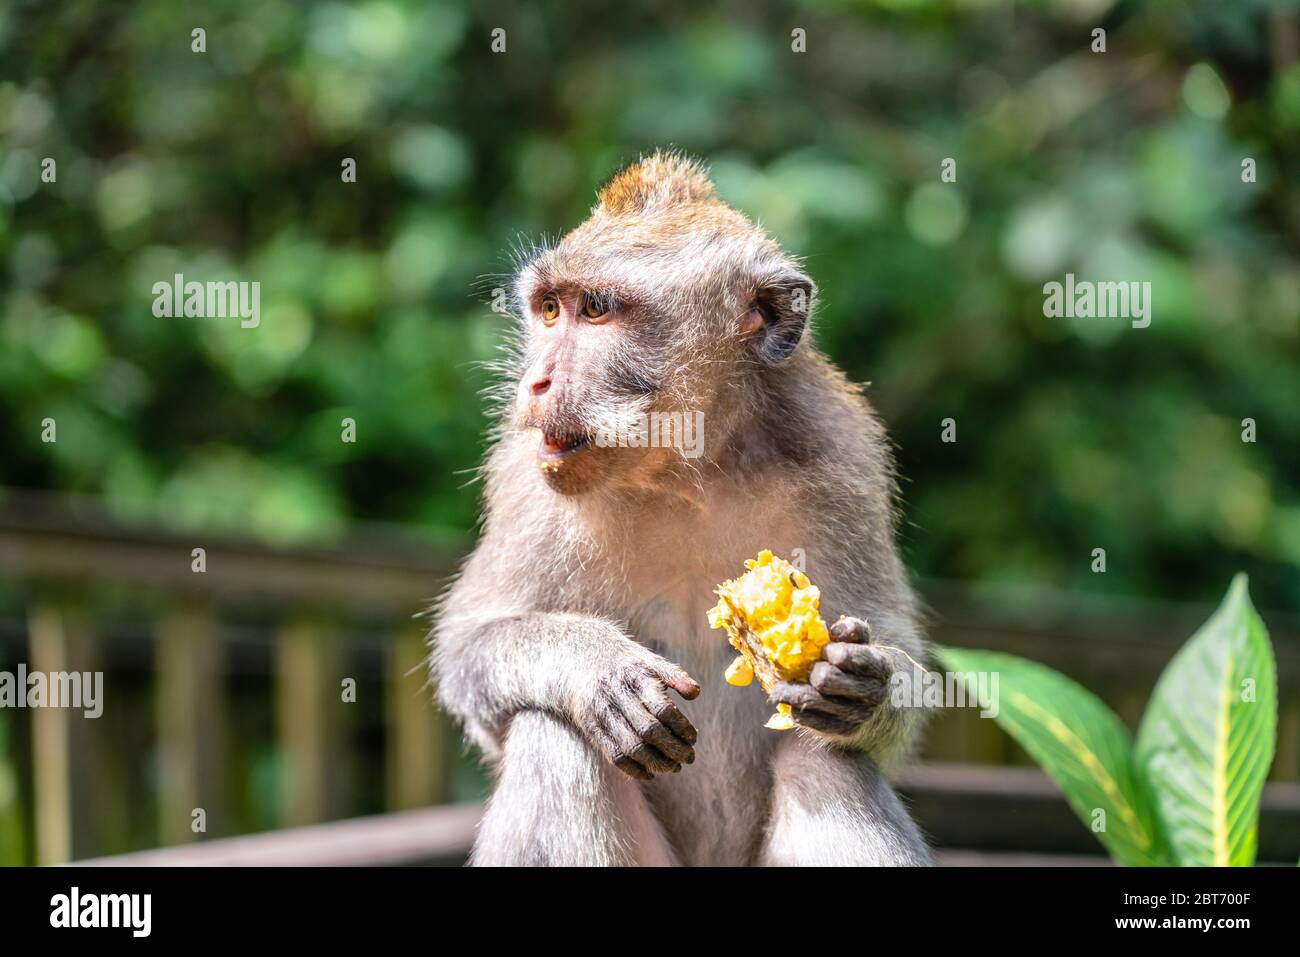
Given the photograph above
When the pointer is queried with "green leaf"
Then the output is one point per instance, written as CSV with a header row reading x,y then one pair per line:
x,y
1079,742
1207,738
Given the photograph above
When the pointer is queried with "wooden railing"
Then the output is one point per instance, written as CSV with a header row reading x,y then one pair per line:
x,y
963,809
428,836
207,671
80,591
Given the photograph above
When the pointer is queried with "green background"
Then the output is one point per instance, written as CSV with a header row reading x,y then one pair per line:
x,y
1072,435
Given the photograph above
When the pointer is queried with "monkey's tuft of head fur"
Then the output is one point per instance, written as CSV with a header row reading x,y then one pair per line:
x,y
663,179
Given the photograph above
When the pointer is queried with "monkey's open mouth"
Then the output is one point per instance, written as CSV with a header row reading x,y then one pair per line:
x,y
555,448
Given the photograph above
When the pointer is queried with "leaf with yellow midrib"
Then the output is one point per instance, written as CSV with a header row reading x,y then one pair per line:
x,y
1079,742
1204,746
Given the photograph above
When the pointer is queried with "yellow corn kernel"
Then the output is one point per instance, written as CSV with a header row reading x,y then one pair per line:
x,y
781,721
739,672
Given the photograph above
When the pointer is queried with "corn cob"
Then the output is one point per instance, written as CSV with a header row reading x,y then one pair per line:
x,y
770,616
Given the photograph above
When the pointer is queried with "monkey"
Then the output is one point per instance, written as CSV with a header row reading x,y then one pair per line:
x,y
573,644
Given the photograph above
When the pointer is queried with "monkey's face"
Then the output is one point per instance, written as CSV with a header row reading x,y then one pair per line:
x,y
645,328
591,375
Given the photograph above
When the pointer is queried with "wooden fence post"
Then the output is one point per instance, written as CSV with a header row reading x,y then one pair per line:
x,y
309,718
191,724
59,641
418,760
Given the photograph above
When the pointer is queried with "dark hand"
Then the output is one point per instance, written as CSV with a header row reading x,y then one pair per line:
x,y
845,687
631,720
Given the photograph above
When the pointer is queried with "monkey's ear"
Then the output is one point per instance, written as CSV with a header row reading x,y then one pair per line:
x,y
783,301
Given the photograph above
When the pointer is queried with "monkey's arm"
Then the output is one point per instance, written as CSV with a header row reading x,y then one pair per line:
x,y
490,662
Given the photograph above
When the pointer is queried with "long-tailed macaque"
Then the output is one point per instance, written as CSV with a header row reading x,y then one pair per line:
x,y
582,611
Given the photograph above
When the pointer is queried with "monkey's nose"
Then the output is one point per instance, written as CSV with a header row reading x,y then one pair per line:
x,y
541,385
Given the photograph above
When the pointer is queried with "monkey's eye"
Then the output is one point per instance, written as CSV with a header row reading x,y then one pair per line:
x,y
550,310
593,308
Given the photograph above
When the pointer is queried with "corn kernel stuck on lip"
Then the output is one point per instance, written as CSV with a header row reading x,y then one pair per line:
x,y
771,617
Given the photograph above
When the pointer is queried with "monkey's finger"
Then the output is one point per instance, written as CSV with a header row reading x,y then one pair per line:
x,y
830,680
621,746
824,723
851,629
659,705
868,661
632,769
631,744
677,679
612,754
656,734
795,694
642,710
804,698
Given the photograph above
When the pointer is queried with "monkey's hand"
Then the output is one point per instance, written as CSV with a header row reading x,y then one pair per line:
x,y
845,688
629,718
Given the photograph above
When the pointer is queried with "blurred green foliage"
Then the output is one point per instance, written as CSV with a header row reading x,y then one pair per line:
x,y
1072,435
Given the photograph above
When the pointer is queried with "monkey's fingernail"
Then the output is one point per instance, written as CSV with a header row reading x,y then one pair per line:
x,y
687,687
842,629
